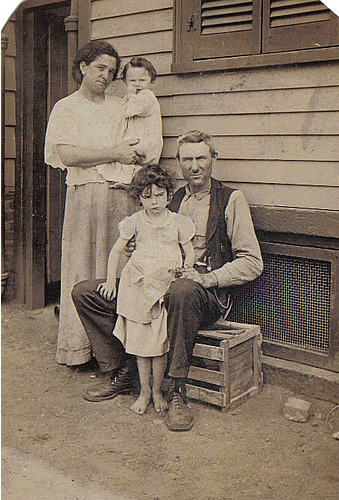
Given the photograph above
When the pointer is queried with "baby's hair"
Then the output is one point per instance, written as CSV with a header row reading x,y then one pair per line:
x,y
146,177
89,53
140,62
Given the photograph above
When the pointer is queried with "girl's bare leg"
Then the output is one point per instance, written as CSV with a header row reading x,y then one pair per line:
x,y
159,367
144,367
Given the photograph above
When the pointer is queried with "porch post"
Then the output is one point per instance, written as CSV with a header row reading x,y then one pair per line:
x,y
71,27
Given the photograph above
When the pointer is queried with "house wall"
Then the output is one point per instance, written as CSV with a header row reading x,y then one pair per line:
x,y
10,152
275,129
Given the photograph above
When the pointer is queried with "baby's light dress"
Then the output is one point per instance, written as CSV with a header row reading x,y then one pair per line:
x,y
142,322
142,121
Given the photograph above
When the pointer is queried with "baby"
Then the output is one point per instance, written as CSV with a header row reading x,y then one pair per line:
x,y
142,121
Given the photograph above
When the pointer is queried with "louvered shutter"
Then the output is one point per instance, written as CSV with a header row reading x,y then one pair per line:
x,y
210,29
226,28
301,24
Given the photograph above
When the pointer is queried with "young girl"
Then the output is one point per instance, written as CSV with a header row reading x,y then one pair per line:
x,y
142,322
141,124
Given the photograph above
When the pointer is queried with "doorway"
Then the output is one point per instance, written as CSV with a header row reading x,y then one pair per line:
x,y
44,81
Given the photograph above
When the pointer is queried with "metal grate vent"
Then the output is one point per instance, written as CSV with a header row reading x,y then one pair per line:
x,y
225,16
290,301
287,12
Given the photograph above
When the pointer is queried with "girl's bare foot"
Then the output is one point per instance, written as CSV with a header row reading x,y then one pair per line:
x,y
141,404
160,403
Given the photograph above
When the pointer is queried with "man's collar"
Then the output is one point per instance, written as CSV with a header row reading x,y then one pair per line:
x,y
200,194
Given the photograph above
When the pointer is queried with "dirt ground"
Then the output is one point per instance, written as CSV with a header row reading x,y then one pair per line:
x,y
56,445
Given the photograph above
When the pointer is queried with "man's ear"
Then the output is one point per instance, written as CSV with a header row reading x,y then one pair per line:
x,y
214,158
82,67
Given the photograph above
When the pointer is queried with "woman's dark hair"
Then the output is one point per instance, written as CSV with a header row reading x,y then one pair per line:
x,y
140,62
146,177
89,53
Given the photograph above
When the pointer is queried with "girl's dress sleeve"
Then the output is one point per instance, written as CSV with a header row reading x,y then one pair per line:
x,y
62,128
186,229
128,227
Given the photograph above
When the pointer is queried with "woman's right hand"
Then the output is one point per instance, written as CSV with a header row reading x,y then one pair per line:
x,y
124,152
106,290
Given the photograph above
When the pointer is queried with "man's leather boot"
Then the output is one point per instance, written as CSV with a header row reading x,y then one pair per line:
x,y
180,415
121,382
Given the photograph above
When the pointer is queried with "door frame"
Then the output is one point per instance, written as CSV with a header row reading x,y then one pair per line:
x,y
30,184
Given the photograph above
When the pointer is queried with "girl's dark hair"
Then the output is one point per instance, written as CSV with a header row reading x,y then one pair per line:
x,y
89,53
148,175
140,62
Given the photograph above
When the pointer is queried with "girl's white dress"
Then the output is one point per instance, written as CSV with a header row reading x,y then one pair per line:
x,y
142,322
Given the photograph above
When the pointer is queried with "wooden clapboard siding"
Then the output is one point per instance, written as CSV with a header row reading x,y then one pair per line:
x,y
324,148
322,198
119,8
10,172
145,22
129,46
265,101
282,77
299,123
275,129
10,103
269,171
10,109
136,29
10,143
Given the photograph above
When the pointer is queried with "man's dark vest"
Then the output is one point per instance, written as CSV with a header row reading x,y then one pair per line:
x,y
218,247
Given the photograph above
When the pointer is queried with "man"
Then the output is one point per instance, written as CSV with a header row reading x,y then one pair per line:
x,y
227,254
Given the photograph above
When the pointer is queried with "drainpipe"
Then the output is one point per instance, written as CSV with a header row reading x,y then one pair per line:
x,y
4,274
71,27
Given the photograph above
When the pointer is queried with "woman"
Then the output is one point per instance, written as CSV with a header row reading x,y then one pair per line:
x,y
79,137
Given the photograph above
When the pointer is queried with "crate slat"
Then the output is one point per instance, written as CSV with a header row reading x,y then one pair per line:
x,y
205,395
203,375
208,352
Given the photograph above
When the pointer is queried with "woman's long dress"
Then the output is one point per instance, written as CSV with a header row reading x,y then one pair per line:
x,y
92,212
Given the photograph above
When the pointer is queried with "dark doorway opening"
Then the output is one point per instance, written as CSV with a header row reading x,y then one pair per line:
x,y
44,81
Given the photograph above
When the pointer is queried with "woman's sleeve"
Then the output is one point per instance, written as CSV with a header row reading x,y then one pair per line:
x,y
62,128
186,229
127,227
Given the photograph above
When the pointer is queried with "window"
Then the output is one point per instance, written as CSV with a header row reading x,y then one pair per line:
x,y
218,34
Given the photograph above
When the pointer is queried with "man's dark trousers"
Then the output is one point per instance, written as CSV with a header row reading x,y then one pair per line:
x,y
189,305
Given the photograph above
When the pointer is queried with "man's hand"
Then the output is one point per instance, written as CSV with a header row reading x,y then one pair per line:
x,y
208,280
189,273
106,290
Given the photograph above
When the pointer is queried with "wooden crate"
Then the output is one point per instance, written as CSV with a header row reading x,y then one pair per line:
x,y
226,366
